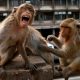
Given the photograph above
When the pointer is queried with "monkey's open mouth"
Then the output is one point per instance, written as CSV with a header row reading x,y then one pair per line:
x,y
25,18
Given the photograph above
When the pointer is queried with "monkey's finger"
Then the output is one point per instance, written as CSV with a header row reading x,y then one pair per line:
x,y
50,37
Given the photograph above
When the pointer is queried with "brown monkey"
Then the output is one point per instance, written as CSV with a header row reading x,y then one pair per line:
x,y
69,52
16,33
13,32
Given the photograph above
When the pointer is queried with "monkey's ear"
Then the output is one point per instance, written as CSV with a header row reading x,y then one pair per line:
x,y
14,9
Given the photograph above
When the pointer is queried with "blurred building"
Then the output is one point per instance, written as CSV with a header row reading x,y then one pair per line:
x,y
49,13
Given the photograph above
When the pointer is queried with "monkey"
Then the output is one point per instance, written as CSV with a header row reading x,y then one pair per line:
x,y
17,35
69,52
13,30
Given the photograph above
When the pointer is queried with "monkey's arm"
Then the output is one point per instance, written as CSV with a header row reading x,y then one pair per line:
x,y
21,50
23,53
55,40
57,52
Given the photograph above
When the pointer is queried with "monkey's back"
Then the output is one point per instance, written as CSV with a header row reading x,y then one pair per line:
x,y
34,40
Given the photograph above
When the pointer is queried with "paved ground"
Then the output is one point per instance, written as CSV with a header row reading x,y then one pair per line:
x,y
71,78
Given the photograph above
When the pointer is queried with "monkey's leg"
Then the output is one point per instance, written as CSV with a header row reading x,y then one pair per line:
x,y
48,59
72,68
16,53
66,72
6,56
28,51
63,63
23,53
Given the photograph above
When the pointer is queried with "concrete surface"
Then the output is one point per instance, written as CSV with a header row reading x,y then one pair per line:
x,y
15,70
71,78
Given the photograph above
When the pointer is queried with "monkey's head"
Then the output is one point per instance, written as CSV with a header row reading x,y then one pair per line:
x,y
68,27
24,14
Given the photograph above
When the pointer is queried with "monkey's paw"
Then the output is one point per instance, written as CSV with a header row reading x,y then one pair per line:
x,y
50,37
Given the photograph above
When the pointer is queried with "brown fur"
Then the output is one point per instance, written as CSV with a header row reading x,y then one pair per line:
x,y
33,42
13,36
69,52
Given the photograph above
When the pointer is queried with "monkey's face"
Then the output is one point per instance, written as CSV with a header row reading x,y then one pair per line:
x,y
65,31
25,18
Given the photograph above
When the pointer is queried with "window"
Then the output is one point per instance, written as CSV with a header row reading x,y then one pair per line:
x,y
46,16
46,2
73,14
60,2
60,15
15,2
73,2
34,2
3,3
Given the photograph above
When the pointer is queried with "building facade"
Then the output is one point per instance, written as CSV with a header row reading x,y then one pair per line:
x,y
49,13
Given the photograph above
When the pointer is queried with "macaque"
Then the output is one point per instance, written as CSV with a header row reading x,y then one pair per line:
x,y
17,36
69,51
13,32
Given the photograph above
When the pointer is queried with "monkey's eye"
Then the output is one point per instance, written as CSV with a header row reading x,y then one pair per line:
x,y
25,18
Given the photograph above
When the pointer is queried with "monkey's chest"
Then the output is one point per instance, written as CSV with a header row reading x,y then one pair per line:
x,y
18,37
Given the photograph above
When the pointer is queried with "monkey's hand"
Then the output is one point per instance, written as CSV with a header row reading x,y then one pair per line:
x,y
31,66
50,37
54,40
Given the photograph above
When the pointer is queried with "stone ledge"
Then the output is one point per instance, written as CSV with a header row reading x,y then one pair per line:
x,y
15,70
43,73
